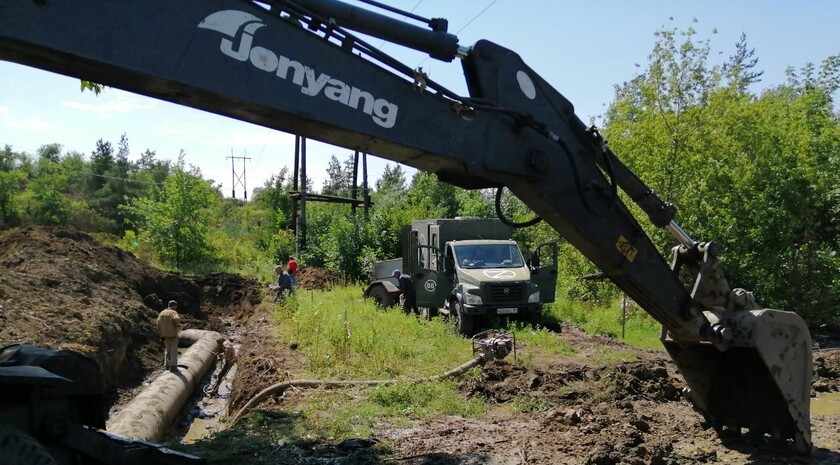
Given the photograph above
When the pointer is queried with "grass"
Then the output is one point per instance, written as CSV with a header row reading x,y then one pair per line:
x,y
344,336
342,414
641,330
541,338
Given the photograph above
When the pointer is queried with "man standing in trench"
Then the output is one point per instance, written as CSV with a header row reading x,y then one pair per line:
x,y
169,324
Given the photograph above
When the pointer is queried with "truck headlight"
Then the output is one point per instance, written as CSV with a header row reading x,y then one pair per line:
x,y
472,299
534,298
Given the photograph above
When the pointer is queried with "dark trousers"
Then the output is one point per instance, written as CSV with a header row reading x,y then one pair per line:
x,y
410,305
281,293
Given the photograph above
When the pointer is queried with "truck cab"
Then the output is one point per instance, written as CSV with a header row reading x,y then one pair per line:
x,y
493,272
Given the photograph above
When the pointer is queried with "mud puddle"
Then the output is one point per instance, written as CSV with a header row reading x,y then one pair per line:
x,y
207,415
208,409
826,404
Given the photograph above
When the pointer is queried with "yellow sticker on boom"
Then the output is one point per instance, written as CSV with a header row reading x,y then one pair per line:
x,y
626,248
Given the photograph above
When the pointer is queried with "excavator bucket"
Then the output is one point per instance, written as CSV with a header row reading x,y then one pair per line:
x,y
761,381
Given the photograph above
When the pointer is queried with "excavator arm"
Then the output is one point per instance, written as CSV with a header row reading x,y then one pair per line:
x,y
295,66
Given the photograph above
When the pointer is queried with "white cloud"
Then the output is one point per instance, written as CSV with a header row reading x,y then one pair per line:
x,y
25,124
111,105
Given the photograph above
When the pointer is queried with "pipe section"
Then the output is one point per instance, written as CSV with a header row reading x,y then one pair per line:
x,y
149,415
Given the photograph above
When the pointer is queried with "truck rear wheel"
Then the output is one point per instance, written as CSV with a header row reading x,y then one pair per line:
x,y
18,448
428,313
381,297
464,324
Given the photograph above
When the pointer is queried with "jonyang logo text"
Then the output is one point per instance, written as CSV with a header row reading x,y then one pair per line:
x,y
233,24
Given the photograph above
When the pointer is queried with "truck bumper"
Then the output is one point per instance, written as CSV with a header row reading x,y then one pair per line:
x,y
503,310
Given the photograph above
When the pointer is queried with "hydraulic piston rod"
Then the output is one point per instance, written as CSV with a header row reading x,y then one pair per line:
x,y
438,43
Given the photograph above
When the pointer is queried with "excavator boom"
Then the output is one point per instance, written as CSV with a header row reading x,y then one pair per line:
x,y
296,67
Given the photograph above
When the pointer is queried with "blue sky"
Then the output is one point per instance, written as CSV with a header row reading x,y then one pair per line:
x,y
582,48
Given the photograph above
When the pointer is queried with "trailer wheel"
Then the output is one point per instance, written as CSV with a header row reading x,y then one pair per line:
x,y
381,297
464,324
18,448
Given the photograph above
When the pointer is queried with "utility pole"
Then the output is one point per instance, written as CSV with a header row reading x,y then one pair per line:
x,y
295,176
301,229
354,190
238,179
365,193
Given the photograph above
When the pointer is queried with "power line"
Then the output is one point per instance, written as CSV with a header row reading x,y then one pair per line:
x,y
465,25
412,11
476,16
260,157
68,171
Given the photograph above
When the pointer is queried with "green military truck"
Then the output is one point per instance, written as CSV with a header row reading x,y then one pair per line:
x,y
469,268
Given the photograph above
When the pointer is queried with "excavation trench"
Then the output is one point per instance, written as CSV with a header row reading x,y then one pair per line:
x,y
151,415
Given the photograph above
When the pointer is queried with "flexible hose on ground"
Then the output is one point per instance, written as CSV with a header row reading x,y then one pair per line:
x,y
279,388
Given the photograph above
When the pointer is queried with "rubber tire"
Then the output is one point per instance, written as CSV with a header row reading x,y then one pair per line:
x,y
464,324
381,297
428,313
18,448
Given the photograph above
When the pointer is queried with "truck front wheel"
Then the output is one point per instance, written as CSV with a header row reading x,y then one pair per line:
x,y
381,297
464,324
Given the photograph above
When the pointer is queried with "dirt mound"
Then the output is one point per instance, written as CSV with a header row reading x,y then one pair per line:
x,y
502,381
317,278
263,359
62,289
826,370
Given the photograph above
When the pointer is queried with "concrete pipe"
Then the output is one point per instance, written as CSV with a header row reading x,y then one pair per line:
x,y
149,415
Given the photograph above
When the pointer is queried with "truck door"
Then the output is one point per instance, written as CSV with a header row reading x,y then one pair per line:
x,y
543,264
434,252
433,284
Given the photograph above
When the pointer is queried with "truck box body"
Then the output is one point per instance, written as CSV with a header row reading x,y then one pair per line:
x,y
426,237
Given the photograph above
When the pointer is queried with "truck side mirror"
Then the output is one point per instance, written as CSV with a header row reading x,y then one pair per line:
x,y
535,261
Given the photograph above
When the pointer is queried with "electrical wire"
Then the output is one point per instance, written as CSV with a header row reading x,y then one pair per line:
x,y
464,26
407,14
476,16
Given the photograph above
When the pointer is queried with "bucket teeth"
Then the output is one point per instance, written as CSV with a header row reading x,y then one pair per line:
x,y
760,381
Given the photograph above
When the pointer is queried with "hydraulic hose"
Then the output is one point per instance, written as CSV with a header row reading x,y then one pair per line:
x,y
279,388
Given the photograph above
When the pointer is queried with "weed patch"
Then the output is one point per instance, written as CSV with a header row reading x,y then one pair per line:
x,y
640,329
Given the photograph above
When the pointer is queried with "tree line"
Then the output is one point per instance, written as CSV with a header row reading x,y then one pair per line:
x,y
753,169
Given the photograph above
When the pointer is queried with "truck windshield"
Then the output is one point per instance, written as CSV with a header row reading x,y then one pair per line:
x,y
488,256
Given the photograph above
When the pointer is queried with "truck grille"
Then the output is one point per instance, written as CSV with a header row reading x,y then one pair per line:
x,y
513,292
